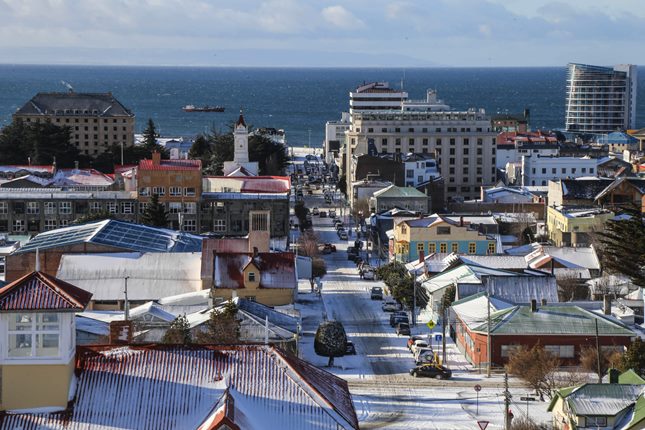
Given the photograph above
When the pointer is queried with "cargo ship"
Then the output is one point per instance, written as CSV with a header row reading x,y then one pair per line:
x,y
192,108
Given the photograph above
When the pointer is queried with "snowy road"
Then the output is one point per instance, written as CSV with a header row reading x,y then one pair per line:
x,y
385,395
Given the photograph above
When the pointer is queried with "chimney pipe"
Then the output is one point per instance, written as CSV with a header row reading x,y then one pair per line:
x,y
533,305
606,304
156,158
613,376
543,301
421,257
461,221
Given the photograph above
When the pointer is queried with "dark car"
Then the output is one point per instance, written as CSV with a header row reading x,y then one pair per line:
x,y
376,293
403,328
397,314
431,371
350,349
323,214
399,319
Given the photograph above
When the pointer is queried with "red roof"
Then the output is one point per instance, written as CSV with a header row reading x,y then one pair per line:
x,y
261,184
277,269
38,291
171,165
240,120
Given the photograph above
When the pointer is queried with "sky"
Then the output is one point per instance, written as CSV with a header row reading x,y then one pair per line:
x,y
328,33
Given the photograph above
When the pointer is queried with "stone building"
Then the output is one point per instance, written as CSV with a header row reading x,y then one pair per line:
x,y
96,120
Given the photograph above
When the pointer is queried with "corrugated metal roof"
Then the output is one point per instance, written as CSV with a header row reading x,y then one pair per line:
x,y
248,184
603,399
277,269
170,165
38,291
516,289
177,388
151,275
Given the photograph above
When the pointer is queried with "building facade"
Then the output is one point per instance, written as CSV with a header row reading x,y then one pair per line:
x,y
538,171
463,143
600,99
573,226
97,121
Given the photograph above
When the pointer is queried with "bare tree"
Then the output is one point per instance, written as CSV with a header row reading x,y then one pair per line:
x,y
608,359
536,367
571,288
308,244
361,206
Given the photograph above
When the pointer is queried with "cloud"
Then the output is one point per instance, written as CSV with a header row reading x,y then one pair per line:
x,y
340,17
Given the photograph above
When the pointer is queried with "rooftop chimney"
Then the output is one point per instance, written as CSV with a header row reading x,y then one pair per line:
x,y
421,257
533,305
156,158
461,221
613,376
606,304
543,302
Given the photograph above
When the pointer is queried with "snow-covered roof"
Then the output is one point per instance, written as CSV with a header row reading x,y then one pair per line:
x,y
517,289
150,275
163,387
277,269
244,184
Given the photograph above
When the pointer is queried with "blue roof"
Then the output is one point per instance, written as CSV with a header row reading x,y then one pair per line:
x,y
617,138
119,234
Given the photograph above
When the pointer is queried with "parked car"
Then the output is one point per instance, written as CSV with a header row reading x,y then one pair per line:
x,y
343,235
376,293
417,345
352,250
390,306
412,339
368,273
332,213
322,214
399,319
424,355
350,349
403,329
431,371
328,248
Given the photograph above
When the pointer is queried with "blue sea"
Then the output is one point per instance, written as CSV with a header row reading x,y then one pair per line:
x,y
298,100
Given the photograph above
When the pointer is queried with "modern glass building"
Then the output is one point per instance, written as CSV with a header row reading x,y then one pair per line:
x,y
600,99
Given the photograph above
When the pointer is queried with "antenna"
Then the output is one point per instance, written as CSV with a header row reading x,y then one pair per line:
x,y
67,85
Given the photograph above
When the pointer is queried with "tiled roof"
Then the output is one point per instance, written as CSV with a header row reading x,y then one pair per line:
x,y
171,165
38,291
70,103
165,387
277,269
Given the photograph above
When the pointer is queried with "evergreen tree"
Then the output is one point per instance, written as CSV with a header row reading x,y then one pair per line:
x,y
150,135
38,143
623,247
155,214
330,340
223,326
94,216
179,332
634,357
200,150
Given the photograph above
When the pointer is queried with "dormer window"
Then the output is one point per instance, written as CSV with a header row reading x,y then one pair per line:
x,y
34,335
251,276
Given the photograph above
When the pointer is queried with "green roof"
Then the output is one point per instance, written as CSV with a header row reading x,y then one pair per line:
x,y
639,414
630,377
394,191
553,320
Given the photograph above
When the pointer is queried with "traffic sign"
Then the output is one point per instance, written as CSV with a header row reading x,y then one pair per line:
x,y
527,399
431,324
482,424
478,388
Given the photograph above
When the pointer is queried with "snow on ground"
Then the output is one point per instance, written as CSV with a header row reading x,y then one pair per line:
x,y
385,395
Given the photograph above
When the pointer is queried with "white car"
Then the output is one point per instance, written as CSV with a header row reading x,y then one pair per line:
x,y
417,345
390,306
369,275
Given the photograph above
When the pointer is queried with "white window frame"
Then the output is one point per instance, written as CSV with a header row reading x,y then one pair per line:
x,y
189,191
219,225
66,340
51,224
33,332
112,207
50,208
174,207
142,207
144,191
63,223
189,225
4,208
174,191
561,351
18,226
95,206
190,208
33,208
127,208
595,422
65,208
159,191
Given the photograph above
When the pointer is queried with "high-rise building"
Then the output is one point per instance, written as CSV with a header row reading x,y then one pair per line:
x,y
96,121
600,99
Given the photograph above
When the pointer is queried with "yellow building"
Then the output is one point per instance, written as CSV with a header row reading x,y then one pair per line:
x,y
572,227
37,360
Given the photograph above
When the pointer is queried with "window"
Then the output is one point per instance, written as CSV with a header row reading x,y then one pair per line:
x,y
50,208
65,208
189,191
142,207
454,247
591,170
4,208
397,141
472,248
19,208
144,191
50,224
33,208
432,248
420,248
443,247
34,335
18,225
409,173
452,151
95,206
190,208
584,170
443,230
553,170
564,170
190,225
219,225
174,191
64,223
562,351
507,350
160,191
174,207
465,149
127,207
112,207
595,422
404,229
251,276
491,247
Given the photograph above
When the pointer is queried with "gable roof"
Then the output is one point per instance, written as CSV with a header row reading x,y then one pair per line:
x,y
277,269
155,387
118,234
38,291
403,192
637,183
71,103
515,289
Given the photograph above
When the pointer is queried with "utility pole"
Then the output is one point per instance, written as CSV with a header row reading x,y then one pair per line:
x,y
443,337
126,306
507,403
414,303
598,354
489,353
